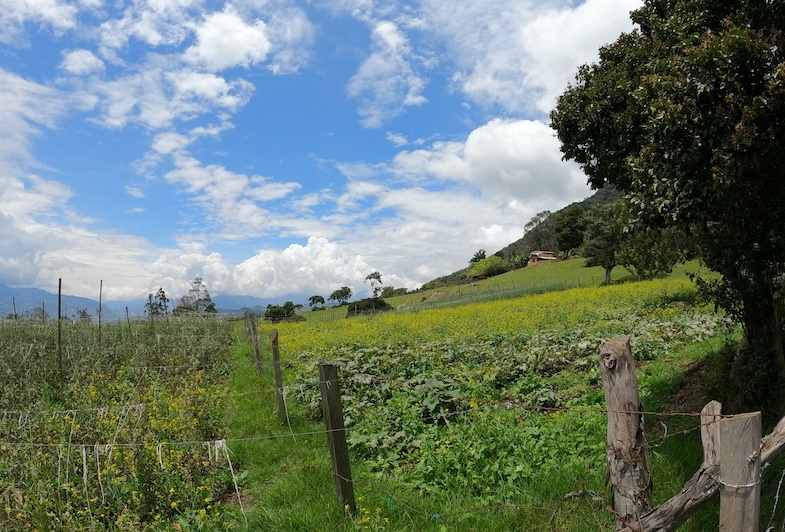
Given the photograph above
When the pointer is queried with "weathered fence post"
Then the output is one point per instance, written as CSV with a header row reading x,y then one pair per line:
x,y
282,414
740,445
336,435
628,460
253,332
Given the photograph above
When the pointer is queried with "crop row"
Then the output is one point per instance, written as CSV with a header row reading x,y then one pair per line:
x,y
489,398
111,430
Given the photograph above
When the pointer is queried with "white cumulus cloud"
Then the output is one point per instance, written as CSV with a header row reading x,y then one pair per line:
x,y
225,40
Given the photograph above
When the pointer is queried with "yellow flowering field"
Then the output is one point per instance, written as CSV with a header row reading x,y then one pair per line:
x,y
580,306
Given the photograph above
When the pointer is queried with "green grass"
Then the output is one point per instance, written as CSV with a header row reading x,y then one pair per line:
x,y
542,278
561,483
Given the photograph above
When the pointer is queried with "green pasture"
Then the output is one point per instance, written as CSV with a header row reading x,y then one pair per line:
x,y
498,427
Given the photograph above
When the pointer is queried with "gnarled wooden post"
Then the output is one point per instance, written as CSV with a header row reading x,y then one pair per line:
x,y
628,457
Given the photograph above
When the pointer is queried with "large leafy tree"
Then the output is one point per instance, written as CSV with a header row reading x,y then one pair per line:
x,y
612,239
686,116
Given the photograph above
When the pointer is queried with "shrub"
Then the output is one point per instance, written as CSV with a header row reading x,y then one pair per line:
x,y
370,305
493,265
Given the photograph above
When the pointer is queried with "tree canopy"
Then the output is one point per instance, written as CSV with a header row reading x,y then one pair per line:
x,y
376,282
342,295
315,302
285,312
686,116
197,300
157,304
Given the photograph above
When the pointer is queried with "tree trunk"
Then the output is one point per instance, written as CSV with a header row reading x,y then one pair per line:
x,y
759,368
608,276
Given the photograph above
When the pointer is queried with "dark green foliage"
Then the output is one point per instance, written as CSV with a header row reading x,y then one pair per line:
x,y
518,252
391,291
686,116
370,305
341,296
542,232
493,265
570,227
84,316
287,312
157,304
649,252
605,236
478,256
453,279
315,302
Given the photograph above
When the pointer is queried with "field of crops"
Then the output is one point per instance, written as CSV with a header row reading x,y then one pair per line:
x,y
114,431
478,417
495,404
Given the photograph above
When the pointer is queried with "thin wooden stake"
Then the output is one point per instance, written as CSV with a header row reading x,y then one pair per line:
x,y
740,446
254,333
336,436
282,413
60,331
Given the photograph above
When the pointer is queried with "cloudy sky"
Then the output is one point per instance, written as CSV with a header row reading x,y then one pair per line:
x,y
279,147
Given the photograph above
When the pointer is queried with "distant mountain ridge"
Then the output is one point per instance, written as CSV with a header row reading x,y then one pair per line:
x,y
27,300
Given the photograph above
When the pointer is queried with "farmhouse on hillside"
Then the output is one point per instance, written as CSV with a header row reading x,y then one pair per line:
x,y
537,257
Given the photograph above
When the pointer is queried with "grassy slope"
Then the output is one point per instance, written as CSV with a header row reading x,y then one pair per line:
x,y
548,277
289,478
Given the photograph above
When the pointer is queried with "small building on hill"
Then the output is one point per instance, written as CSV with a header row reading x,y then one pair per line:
x,y
537,257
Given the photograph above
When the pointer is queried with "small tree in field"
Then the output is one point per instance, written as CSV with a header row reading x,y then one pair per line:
x,y
341,296
315,302
84,316
158,304
376,282
197,300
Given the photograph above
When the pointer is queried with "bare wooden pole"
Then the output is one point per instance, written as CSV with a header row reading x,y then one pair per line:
x,y
257,355
628,457
740,437
336,435
282,413
60,330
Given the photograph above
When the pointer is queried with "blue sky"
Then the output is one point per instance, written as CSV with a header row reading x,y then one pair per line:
x,y
278,147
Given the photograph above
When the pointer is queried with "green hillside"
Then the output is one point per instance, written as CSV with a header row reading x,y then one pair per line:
x,y
546,277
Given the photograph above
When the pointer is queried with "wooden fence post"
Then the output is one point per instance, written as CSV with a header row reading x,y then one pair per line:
x,y
740,445
282,414
336,435
628,460
253,332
